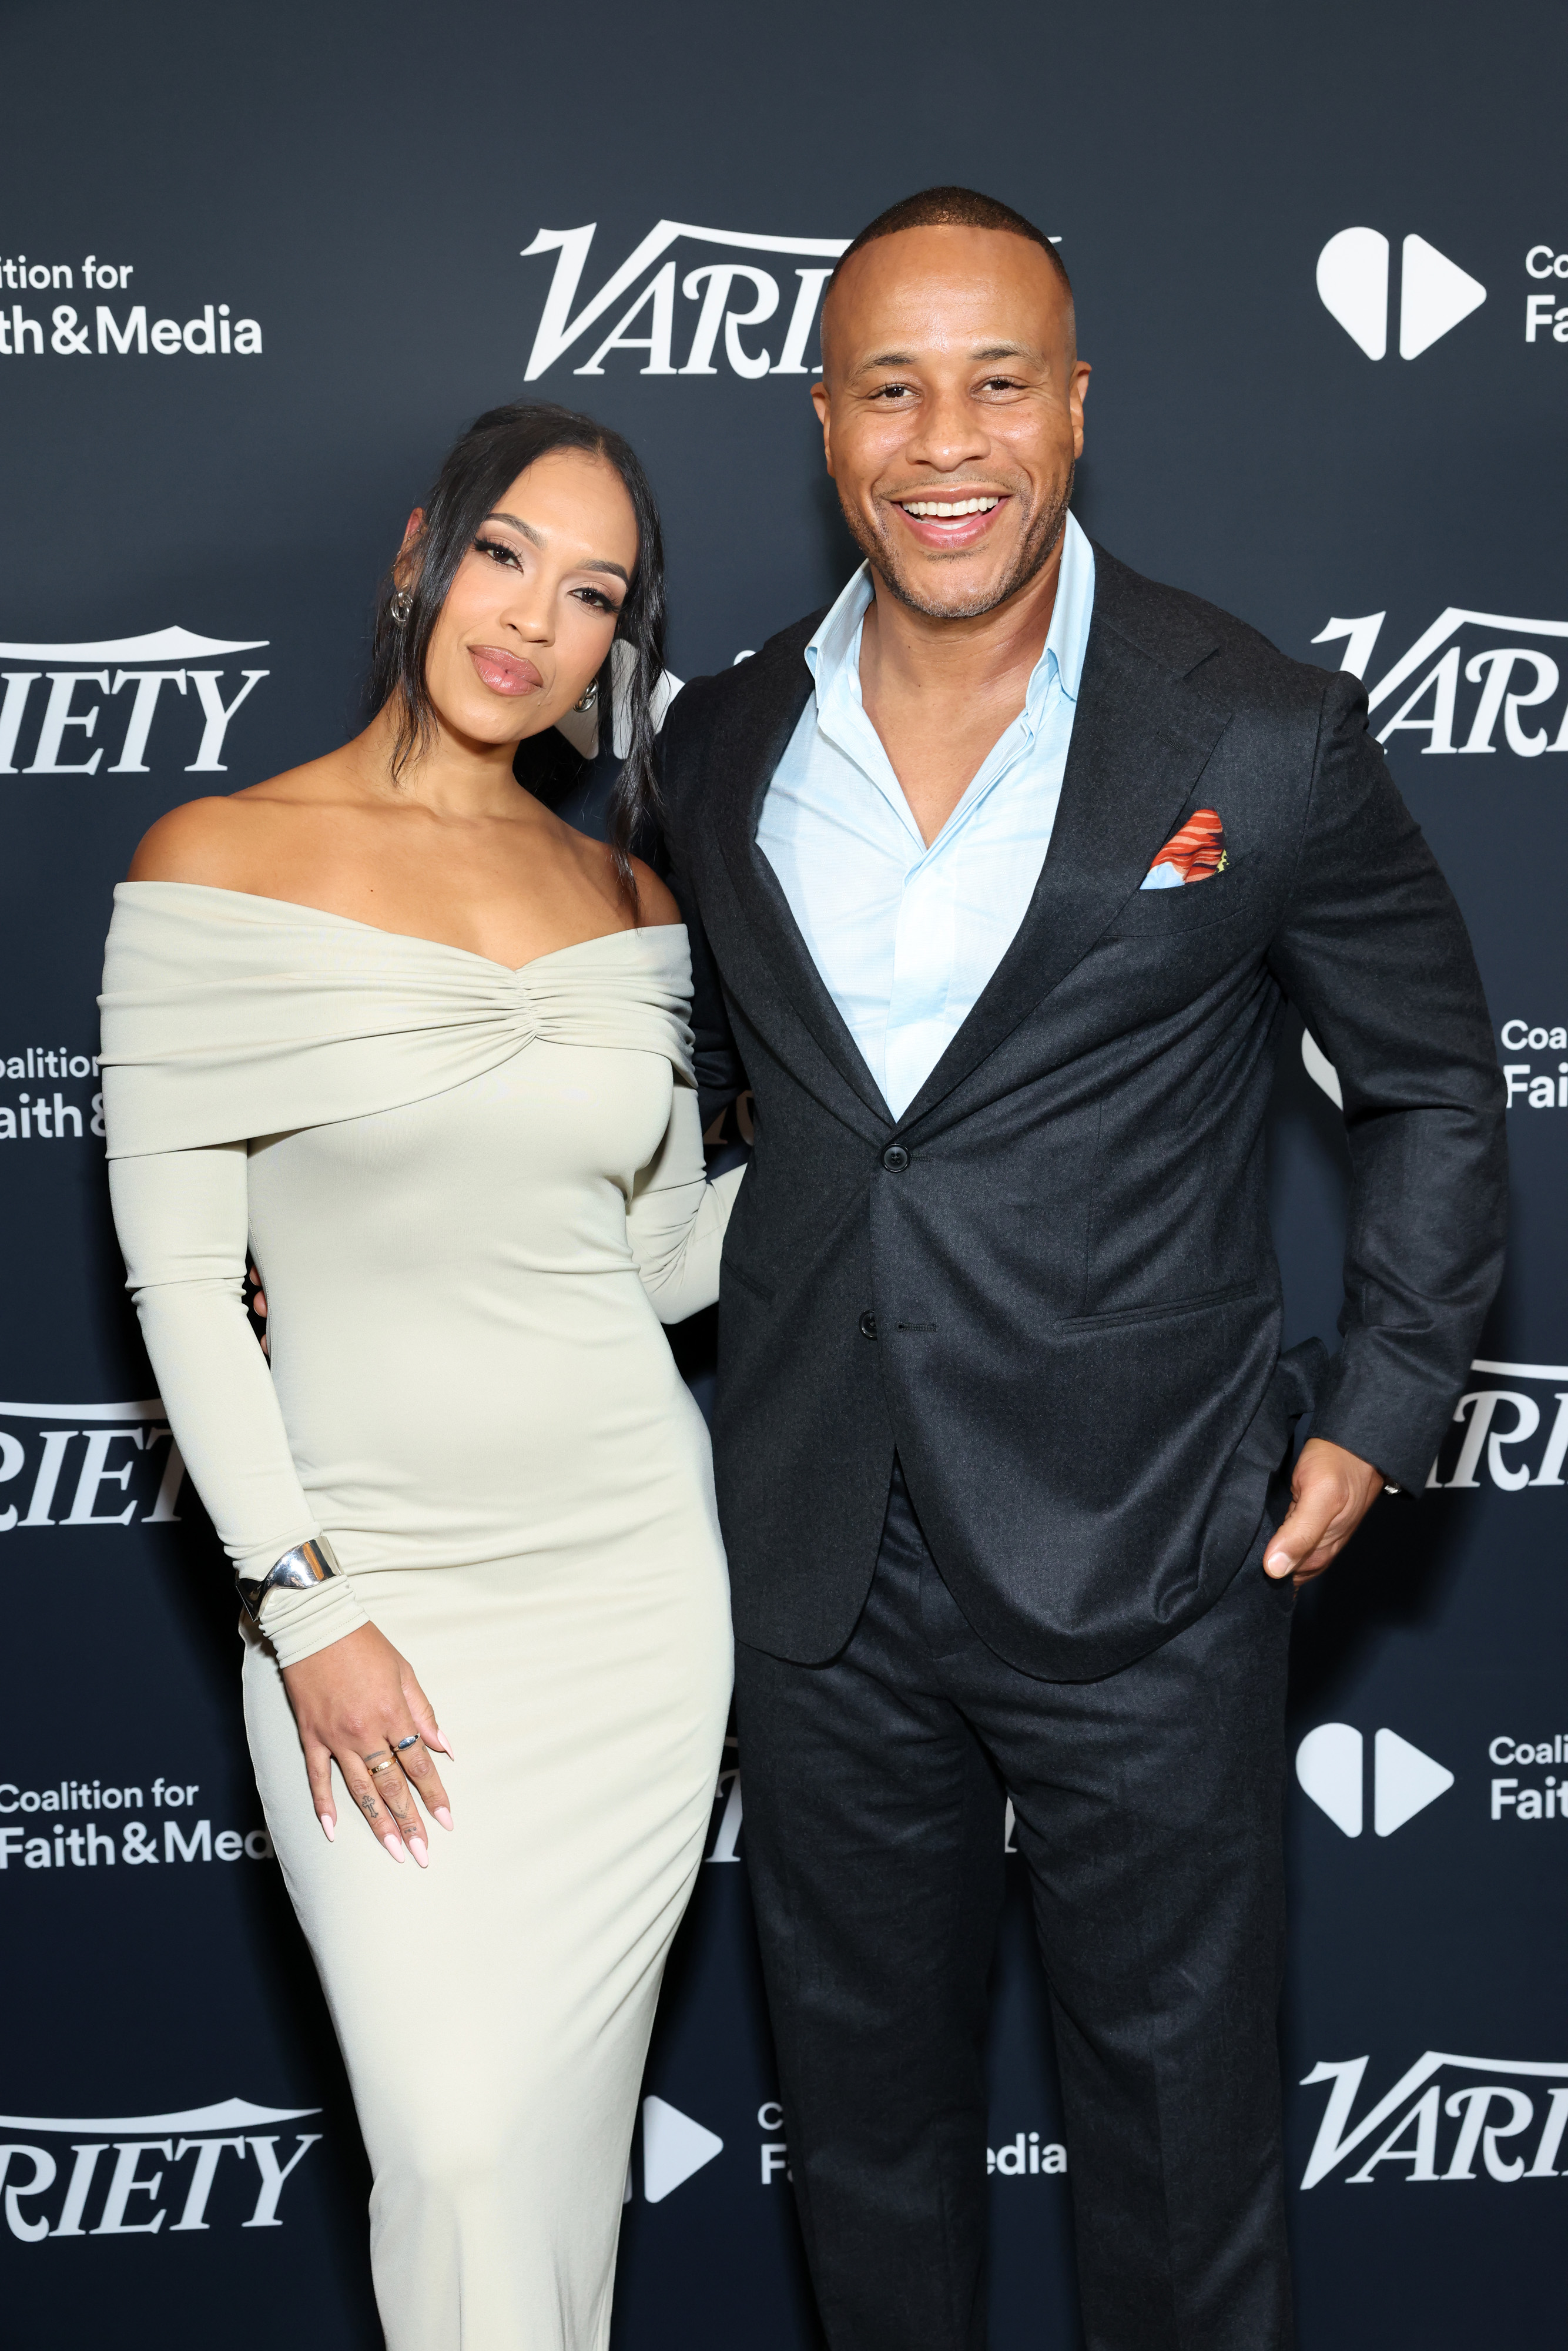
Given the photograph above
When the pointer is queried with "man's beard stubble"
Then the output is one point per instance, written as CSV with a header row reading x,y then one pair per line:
x,y
1032,557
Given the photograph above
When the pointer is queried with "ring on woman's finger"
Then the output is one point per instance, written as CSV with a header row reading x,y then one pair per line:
x,y
411,1740
387,1763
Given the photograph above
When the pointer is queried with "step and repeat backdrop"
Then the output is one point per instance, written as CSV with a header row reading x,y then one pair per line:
x,y
257,267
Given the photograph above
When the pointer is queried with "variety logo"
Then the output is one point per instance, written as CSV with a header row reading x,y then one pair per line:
x,y
213,333
58,724
1330,1765
1509,680
1435,293
120,1455
731,298
1512,1435
1514,2127
46,2197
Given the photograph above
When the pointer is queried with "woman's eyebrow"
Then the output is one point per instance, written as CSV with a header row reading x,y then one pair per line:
x,y
594,563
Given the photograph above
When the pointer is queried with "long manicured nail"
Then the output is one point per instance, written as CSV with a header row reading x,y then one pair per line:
x,y
394,1846
442,1813
420,1851
329,1826
440,1741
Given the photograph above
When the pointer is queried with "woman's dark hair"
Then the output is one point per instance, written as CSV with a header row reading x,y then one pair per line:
x,y
496,448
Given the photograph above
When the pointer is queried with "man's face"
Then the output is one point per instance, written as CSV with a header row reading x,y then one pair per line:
x,y
950,381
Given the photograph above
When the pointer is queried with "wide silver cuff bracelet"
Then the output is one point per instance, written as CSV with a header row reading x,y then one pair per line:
x,y
300,1570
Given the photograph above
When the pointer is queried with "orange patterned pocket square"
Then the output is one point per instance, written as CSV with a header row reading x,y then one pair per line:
x,y
1190,855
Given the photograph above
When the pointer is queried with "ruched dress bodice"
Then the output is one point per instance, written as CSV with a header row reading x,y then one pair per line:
x,y
472,1193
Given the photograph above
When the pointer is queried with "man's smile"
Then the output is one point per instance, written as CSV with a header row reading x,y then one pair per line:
x,y
944,511
955,521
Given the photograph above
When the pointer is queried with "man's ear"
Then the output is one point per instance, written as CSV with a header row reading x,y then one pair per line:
x,y
823,407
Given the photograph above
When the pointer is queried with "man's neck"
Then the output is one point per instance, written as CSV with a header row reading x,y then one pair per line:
x,y
940,693
909,653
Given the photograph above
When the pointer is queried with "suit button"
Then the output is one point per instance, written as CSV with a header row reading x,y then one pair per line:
x,y
868,1325
895,1159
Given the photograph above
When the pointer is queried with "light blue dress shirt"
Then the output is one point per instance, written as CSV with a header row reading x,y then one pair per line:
x,y
904,936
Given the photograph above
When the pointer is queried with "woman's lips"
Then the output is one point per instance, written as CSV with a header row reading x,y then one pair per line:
x,y
504,672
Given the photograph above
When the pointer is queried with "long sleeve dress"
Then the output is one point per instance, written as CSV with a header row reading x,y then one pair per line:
x,y
473,1195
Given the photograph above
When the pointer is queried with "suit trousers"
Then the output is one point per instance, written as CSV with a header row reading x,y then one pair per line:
x,y
1149,1812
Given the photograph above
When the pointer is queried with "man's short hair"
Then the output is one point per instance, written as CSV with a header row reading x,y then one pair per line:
x,y
954,208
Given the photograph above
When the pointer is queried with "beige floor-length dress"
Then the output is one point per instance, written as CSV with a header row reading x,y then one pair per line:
x,y
472,1193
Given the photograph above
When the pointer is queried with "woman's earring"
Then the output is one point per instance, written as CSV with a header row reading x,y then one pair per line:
x,y
590,699
400,606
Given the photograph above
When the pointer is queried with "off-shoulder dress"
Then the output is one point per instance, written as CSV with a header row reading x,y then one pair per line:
x,y
473,1195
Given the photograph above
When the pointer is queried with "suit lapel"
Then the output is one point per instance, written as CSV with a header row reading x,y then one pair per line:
x,y
1141,739
746,751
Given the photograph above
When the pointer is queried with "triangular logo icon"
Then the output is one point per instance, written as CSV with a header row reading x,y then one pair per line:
x,y
1353,286
1405,1782
1435,294
674,2146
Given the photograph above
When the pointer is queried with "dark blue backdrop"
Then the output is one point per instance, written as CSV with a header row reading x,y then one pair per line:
x,y
258,266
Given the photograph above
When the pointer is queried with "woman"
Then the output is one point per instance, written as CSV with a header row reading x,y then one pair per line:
x,y
428,1047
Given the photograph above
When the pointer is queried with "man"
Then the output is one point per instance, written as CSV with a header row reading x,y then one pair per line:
x,y
1007,865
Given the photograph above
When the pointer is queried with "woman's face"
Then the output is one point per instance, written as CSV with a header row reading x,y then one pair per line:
x,y
530,615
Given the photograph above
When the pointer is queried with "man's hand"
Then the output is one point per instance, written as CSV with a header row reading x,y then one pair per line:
x,y
1334,1492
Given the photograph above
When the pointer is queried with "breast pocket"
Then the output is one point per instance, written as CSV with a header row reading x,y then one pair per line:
x,y
1225,897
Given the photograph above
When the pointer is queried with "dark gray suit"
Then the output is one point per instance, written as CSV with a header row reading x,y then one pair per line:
x,y
1050,1292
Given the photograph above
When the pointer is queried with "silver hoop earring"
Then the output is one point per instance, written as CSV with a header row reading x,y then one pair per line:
x,y
401,605
591,698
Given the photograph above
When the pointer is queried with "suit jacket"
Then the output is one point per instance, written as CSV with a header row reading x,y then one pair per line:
x,y
1050,1284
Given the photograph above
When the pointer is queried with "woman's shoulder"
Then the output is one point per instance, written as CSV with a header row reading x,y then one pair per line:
x,y
656,903
219,842
657,907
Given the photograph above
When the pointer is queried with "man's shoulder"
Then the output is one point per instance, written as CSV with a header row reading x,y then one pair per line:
x,y
1222,657
772,676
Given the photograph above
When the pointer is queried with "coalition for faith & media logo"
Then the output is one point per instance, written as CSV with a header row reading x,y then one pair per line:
x,y
1435,293
1441,2118
100,331
1338,1769
48,733
1354,281
81,1822
675,2146
57,2183
1331,1768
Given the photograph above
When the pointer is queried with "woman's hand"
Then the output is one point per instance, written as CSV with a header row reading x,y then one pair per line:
x,y
357,1702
